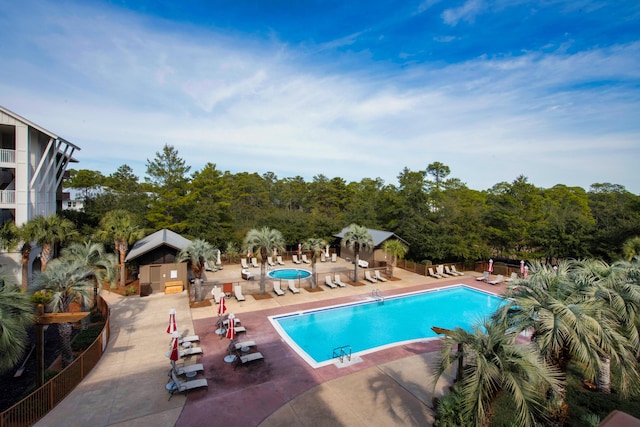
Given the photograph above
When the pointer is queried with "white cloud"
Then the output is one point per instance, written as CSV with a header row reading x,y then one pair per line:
x,y
467,12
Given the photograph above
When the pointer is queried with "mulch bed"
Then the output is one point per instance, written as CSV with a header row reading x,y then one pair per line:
x,y
316,289
356,283
262,296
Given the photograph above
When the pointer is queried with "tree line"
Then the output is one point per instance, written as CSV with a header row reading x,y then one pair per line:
x,y
440,217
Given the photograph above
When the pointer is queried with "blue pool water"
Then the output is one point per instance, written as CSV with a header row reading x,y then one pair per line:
x,y
370,325
289,273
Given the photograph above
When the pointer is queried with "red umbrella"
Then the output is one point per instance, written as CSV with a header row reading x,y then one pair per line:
x,y
222,307
231,326
173,326
299,248
175,355
522,267
526,271
490,266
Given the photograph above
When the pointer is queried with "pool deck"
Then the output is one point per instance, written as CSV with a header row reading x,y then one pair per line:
x,y
389,387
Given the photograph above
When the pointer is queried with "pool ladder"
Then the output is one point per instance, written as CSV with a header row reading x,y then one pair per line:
x,y
375,294
342,352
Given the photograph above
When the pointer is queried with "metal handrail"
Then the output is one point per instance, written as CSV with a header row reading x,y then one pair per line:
x,y
339,352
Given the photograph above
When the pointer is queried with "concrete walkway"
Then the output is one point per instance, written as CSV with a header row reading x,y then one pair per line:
x,y
127,387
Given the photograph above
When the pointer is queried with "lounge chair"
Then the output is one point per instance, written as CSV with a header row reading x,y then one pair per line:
x,y
243,263
254,263
367,275
279,260
377,276
513,277
338,281
448,271
432,274
208,266
499,279
243,359
225,322
237,346
296,260
304,259
191,351
323,257
456,272
440,271
270,262
329,282
237,291
184,370
216,293
484,277
184,386
334,257
362,263
189,338
292,287
246,275
277,289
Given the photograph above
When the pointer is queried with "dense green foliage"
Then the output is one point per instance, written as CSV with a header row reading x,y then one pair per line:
x,y
439,216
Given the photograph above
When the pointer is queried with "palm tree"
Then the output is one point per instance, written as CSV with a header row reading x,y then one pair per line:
x,y
355,238
69,281
316,246
92,255
198,253
495,365
119,227
631,248
16,316
263,241
396,249
47,232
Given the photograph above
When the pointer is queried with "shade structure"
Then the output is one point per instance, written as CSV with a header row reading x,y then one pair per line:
x,y
174,354
526,272
490,269
522,267
231,327
173,326
222,307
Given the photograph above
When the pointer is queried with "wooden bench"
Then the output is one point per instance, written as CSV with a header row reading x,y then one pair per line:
x,y
173,287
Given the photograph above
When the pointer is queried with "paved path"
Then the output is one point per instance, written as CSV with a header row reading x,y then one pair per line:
x,y
127,387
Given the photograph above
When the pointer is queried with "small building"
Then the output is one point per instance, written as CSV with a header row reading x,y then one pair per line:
x,y
156,256
376,256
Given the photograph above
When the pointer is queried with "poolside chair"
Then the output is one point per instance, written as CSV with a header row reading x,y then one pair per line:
x,y
338,281
191,351
270,262
292,287
367,275
247,358
237,291
432,274
484,277
513,277
455,272
184,386
184,370
225,321
448,271
334,257
216,293
246,275
304,259
377,276
243,263
440,271
254,263
329,282
189,338
277,289
237,346
323,257
362,263
499,279
279,260
295,259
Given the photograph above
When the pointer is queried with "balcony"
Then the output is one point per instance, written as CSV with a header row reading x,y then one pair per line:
x,y
7,156
7,197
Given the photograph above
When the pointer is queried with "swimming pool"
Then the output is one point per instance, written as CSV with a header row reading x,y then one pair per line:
x,y
371,325
289,273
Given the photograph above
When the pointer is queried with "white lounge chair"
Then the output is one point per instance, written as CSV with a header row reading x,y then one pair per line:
x,y
334,257
484,277
323,257
246,274
432,274
237,346
499,279
362,263
292,287
329,282
296,260
254,263
191,351
448,271
277,289
184,370
454,271
184,386
338,281
304,259
270,262
513,277
189,338
216,293
367,275
237,291
279,260
377,276
247,358
243,263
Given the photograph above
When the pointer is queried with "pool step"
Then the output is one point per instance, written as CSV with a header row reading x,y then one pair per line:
x,y
342,353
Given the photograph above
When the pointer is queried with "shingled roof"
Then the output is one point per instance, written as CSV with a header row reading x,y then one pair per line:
x,y
155,240
378,236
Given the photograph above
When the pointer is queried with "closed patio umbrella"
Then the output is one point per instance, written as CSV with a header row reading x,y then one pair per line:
x,y
526,271
522,267
221,309
173,326
174,354
231,334
490,269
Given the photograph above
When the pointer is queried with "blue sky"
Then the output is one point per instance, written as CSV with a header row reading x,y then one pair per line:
x,y
493,89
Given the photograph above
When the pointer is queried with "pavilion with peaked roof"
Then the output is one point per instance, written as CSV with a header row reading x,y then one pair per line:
x,y
376,256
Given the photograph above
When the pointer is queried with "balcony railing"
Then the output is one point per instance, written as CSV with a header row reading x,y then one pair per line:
x,y
7,156
7,197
